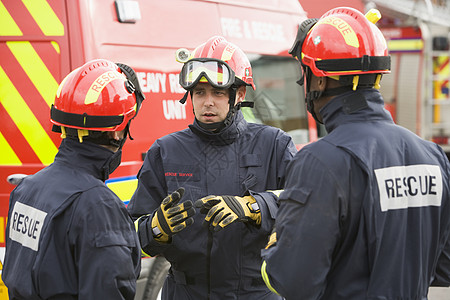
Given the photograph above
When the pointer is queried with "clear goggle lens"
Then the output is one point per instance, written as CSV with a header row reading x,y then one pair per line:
x,y
216,72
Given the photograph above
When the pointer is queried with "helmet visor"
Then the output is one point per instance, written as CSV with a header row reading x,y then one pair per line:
x,y
217,72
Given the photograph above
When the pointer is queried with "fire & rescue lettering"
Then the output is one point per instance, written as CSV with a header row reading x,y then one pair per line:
x,y
26,225
263,31
409,186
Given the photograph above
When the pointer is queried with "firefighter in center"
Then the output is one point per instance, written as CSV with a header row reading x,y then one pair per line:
x,y
222,165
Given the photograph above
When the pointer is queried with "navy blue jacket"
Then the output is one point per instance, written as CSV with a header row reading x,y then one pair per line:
x,y
68,235
244,157
366,210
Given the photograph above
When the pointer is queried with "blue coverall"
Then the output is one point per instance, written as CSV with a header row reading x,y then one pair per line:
x,y
68,235
365,213
242,158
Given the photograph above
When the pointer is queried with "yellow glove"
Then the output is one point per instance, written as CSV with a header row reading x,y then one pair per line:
x,y
171,217
223,210
272,239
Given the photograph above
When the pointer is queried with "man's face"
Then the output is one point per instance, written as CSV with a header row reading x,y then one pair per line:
x,y
210,103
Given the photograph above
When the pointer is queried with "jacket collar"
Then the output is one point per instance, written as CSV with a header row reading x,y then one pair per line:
x,y
226,136
87,156
353,107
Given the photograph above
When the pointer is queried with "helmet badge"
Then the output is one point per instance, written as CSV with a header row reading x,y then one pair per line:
x,y
317,40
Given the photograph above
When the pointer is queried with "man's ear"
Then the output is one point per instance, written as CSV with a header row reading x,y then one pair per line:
x,y
321,83
114,135
240,94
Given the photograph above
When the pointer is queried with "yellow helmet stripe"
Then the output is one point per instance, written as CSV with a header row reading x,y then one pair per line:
x,y
7,155
45,17
25,120
7,24
99,84
228,53
344,28
35,68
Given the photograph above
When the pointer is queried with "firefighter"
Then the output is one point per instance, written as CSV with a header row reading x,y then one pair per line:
x,y
68,236
225,166
365,213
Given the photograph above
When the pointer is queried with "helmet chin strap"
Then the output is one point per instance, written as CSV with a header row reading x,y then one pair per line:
x,y
114,161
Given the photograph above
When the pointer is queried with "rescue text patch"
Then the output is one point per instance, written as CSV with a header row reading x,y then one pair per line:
x,y
99,84
26,224
409,186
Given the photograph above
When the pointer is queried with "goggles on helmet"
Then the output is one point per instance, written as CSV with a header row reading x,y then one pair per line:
x,y
217,72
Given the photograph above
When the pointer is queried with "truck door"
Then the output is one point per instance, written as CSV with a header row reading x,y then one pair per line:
x,y
33,57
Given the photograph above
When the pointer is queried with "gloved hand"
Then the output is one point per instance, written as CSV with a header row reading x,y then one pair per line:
x,y
223,210
272,238
171,217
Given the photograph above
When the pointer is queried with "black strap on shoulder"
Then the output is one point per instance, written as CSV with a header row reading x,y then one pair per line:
x,y
365,63
84,120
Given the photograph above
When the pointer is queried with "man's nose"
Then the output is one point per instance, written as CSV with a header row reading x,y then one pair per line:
x,y
209,100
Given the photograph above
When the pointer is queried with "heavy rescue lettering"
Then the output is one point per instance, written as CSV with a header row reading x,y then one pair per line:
x,y
409,186
174,83
157,82
174,110
152,82
26,225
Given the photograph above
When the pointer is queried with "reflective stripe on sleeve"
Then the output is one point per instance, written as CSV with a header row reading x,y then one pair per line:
x,y
276,192
136,226
265,277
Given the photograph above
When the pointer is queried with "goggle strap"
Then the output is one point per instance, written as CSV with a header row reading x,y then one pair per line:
x,y
183,100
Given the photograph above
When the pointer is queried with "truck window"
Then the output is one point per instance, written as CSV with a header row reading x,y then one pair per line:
x,y
279,100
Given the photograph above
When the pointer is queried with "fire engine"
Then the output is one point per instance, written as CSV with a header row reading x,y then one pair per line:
x,y
41,41
417,90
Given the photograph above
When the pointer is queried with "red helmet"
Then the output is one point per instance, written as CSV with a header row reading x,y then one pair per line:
x,y
97,96
219,62
342,42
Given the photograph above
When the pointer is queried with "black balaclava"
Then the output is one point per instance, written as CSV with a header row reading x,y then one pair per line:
x,y
101,138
